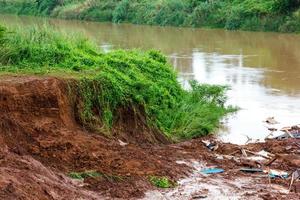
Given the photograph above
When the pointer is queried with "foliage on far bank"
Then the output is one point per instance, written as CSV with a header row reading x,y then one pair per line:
x,y
142,81
257,15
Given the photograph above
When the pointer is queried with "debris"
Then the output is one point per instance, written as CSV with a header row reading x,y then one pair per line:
x,y
277,173
199,196
122,143
290,132
287,135
244,152
212,171
295,176
271,120
272,129
293,129
263,154
250,140
251,170
271,160
212,146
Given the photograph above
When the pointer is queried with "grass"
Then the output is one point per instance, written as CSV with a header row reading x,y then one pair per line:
x,y
94,174
161,182
142,81
256,15
83,175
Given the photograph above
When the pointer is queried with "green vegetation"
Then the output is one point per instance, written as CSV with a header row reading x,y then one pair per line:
x,y
83,175
94,174
257,15
161,182
142,81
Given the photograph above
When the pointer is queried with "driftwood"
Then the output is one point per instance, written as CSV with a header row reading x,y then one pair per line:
x,y
256,154
271,161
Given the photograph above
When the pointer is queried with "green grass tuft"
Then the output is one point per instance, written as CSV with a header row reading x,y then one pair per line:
x,y
83,175
94,174
161,182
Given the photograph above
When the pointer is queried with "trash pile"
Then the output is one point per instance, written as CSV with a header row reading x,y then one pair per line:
x,y
289,132
277,160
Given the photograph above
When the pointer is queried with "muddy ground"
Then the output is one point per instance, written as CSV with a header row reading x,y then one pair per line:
x,y
41,143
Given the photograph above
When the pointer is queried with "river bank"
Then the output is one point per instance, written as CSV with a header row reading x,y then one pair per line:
x,y
253,15
263,80
46,154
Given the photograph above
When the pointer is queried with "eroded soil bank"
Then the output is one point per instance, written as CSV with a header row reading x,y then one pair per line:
x,y
41,143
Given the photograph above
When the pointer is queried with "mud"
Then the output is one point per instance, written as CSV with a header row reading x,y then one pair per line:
x,y
42,142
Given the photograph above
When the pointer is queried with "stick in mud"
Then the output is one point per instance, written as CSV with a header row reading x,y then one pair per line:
x,y
271,161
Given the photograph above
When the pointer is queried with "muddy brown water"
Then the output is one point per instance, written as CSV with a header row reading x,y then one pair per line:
x,y
262,69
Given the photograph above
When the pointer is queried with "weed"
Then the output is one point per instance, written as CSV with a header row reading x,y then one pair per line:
x,y
83,175
161,182
94,174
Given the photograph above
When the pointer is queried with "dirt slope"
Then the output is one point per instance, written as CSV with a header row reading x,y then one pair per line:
x,y
38,132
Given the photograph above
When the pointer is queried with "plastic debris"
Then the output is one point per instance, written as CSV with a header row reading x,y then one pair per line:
x,y
210,145
251,170
122,143
277,173
212,171
289,132
287,135
199,196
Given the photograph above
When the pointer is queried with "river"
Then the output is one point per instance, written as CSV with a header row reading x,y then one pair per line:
x,y
262,69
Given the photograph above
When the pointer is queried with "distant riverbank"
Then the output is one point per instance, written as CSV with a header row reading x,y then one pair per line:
x,y
250,15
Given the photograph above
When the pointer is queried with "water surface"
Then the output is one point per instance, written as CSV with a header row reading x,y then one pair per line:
x,y
262,69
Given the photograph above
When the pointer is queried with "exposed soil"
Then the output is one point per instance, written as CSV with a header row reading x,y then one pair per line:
x,y
41,143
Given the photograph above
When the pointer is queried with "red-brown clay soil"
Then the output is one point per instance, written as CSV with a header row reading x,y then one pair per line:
x,y
41,142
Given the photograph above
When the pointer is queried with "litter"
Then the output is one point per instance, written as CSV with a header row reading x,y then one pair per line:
x,y
271,120
295,176
122,143
251,170
244,152
276,173
289,132
271,160
199,196
211,146
287,135
212,171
